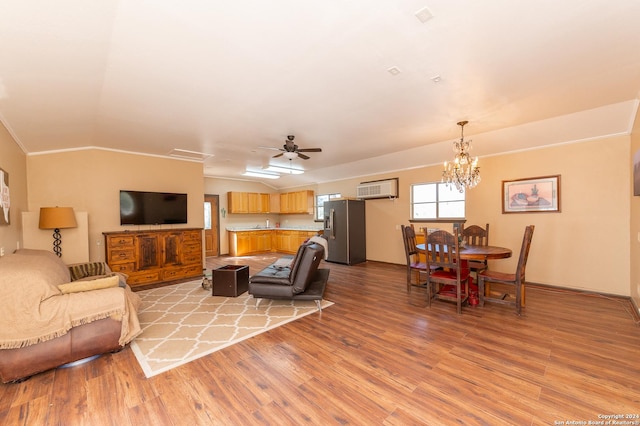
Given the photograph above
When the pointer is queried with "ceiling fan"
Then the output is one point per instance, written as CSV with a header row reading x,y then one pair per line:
x,y
290,150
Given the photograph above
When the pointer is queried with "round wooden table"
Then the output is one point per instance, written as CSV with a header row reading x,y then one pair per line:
x,y
481,253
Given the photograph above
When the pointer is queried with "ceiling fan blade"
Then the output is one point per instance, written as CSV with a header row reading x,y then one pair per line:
x,y
270,147
278,155
310,150
304,157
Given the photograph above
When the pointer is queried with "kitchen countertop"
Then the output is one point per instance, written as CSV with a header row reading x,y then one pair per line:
x,y
271,228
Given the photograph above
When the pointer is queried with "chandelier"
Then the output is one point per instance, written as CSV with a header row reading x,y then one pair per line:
x,y
463,171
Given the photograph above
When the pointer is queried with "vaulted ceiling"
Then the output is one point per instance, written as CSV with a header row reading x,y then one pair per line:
x,y
364,80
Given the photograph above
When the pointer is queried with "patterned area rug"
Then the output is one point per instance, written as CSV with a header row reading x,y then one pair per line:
x,y
183,322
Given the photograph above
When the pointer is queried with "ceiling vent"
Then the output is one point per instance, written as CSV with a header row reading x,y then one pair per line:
x,y
189,155
387,188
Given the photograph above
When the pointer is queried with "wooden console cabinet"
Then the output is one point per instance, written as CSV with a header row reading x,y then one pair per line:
x,y
149,257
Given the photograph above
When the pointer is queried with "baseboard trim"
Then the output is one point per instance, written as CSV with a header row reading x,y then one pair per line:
x,y
633,307
636,310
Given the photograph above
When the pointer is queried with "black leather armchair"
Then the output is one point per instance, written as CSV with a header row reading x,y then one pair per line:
x,y
302,280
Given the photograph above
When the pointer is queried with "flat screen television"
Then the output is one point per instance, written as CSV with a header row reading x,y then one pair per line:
x,y
152,208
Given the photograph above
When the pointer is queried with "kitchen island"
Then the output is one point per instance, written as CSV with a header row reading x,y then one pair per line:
x,y
249,241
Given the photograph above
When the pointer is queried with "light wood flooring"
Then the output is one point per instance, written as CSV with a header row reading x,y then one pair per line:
x,y
378,356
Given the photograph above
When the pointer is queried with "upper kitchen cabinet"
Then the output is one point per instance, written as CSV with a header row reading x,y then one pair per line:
x,y
238,202
248,202
298,202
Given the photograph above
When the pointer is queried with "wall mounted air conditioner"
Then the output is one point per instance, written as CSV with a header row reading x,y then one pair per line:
x,y
387,188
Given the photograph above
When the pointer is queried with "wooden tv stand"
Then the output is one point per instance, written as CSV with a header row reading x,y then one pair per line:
x,y
149,257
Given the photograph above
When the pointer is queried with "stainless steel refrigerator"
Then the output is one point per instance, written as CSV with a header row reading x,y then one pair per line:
x,y
345,231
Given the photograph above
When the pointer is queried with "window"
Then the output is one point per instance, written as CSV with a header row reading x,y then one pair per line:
x,y
436,201
207,215
320,199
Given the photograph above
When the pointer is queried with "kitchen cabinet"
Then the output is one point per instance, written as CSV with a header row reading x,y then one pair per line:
x,y
298,202
238,202
242,243
149,257
248,202
264,203
274,203
284,203
288,241
248,242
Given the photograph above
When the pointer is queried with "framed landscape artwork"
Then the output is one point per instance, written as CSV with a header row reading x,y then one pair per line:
x,y
5,201
532,195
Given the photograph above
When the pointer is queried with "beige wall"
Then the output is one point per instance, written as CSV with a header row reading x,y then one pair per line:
x,y
14,162
90,181
634,227
589,245
74,241
586,246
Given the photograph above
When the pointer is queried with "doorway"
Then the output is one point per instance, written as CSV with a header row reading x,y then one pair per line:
x,y
212,225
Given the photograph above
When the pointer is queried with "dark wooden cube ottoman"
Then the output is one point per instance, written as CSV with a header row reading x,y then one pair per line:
x,y
230,280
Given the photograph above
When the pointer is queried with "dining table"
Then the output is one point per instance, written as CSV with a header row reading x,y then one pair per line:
x,y
472,252
480,253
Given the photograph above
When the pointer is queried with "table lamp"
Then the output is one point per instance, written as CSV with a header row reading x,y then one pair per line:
x,y
57,218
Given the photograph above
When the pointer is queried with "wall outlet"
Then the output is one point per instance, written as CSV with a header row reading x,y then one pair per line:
x,y
1,251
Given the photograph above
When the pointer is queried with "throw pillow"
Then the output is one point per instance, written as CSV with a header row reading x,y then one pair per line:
x,y
78,286
87,269
121,276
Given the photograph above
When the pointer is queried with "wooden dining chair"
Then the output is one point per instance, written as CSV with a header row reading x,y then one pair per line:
x,y
445,270
415,268
477,236
517,280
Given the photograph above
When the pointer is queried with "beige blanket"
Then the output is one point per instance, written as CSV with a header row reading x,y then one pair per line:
x,y
34,310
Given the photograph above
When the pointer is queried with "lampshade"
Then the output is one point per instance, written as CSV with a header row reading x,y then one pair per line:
x,y
57,218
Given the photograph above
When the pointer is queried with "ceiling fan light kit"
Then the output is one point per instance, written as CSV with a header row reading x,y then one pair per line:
x,y
291,151
290,155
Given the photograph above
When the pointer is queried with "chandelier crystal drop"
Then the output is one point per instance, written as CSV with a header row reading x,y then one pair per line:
x,y
463,172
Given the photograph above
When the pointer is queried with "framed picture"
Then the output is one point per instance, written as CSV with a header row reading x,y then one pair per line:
x,y
532,195
5,201
636,173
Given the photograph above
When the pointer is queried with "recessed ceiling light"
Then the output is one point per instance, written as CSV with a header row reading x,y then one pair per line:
x,y
424,15
261,175
436,79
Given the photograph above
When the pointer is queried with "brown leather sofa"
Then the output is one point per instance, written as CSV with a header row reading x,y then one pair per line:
x,y
80,342
300,280
50,318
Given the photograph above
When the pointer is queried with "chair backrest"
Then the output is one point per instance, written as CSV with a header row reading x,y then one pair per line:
x,y
442,250
524,252
475,235
305,265
409,239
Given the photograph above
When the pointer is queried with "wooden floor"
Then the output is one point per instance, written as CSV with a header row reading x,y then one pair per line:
x,y
377,356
